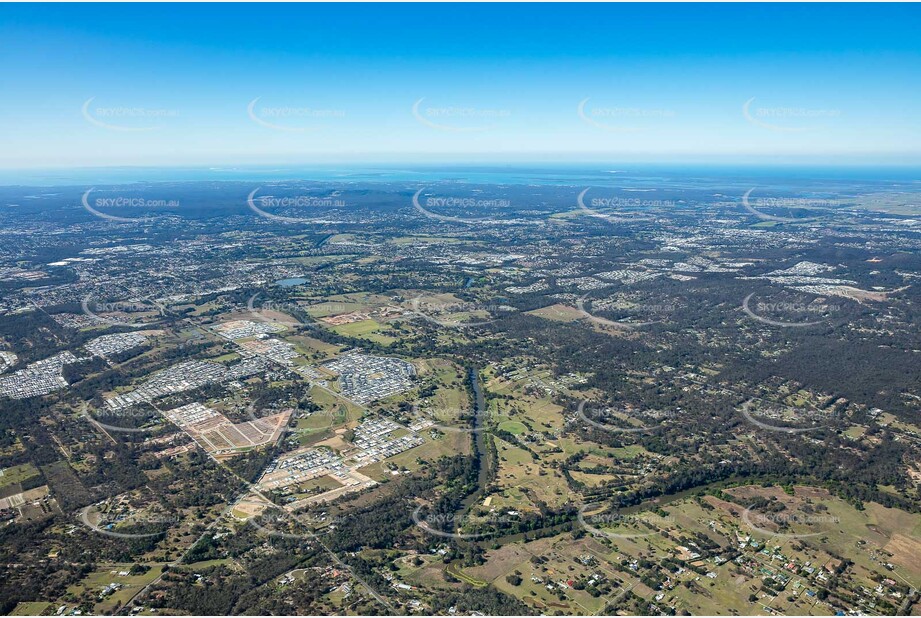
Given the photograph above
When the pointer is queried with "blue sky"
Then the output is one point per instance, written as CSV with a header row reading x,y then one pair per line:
x,y
97,85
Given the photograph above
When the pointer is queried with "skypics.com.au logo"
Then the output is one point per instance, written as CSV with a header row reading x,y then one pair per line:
x,y
290,119
148,423
614,525
620,119
816,208
293,527
450,525
114,525
125,119
123,309
453,203
444,419
457,314
774,523
787,119
124,202
768,312
279,312
453,119
663,309
602,417
320,420
298,202
619,209
775,414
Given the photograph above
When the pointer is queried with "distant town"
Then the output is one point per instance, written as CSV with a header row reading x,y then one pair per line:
x,y
690,407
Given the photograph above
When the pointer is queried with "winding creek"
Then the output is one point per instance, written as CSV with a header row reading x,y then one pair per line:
x,y
480,452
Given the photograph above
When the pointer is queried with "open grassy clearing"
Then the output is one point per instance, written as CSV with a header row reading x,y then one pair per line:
x,y
94,583
364,329
558,313
30,608
17,474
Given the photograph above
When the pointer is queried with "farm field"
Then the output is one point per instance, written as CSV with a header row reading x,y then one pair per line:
x,y
559,313
94,584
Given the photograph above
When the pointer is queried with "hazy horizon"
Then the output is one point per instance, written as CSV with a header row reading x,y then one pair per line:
x,y
123,85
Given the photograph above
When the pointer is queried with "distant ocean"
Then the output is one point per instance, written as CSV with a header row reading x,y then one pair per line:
x,y
696,176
